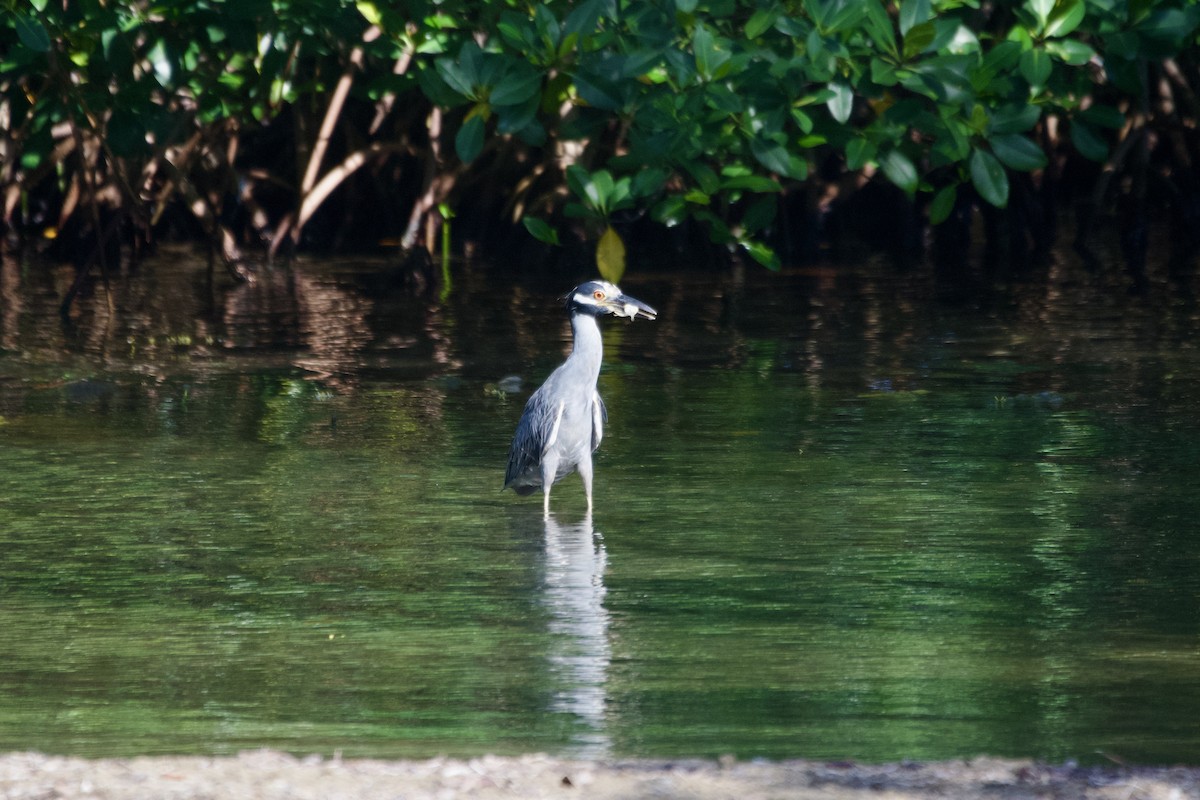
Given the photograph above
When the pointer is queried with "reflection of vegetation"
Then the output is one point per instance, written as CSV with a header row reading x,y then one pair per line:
x,y
921,567
175,581
260,122
825,536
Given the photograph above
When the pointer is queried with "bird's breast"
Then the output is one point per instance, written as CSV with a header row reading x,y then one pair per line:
x,y
574,429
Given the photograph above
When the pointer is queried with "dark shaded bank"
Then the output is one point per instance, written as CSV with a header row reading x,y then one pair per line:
x,y
271,775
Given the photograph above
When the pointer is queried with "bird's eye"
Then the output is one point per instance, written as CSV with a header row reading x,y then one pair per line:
x,y
599,295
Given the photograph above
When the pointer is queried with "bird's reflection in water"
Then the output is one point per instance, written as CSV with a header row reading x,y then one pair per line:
x,y
574,596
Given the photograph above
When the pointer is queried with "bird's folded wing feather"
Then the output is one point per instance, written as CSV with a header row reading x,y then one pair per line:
x,y
531,439
599,417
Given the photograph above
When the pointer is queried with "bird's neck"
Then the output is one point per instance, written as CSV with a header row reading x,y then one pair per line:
x,y
588,347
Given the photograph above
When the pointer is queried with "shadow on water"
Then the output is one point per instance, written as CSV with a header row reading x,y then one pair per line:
x,y
837,517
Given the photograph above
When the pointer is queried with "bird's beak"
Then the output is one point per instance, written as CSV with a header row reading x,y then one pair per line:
x,y
631,307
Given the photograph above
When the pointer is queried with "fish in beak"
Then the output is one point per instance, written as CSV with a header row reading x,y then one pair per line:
x,y
632,308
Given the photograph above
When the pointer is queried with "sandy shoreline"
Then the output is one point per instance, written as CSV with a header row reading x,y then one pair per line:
x,y
271,775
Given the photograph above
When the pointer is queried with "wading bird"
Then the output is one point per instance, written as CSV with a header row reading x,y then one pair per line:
x,y
563,421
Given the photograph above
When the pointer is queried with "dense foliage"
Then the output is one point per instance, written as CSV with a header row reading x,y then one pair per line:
x,y
263,118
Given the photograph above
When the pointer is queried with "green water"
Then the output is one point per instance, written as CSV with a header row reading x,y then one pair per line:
x,y
836,518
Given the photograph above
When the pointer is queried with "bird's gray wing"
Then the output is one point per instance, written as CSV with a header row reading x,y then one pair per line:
x,y
535,432
599,417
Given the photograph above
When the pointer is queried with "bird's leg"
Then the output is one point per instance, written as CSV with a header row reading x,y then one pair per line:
x,y
549,469
585,472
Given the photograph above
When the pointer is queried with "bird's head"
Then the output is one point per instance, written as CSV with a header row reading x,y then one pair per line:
x,y
599,298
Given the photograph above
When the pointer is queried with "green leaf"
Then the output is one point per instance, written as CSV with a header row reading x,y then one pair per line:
x,y
469,141
546,24
597,190
533,134
821,57
710,182
977,120
1138,10
622,196
844,15
576,211
434,87
610,256
161,59
900,170
649,181
670,211
567,45
711,52
597,92
841,104
686,6
578,180
751,183
762,253
761,21
1065,18
803,121
771,155
1018,152
957,38
797,167
918,38
514,119
516,29
819,11
370,12
989,178
1088,142
1167,24
1040,9
904,114
641,62
1071,51
1035,67
454,76
858,152
584,19
1000,60
913,13
1125,44
1014,119
760,214
517,86
721,98
540,230
883,73
32,33
718,231
953,142
943,204
879,26
702,46
928,83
